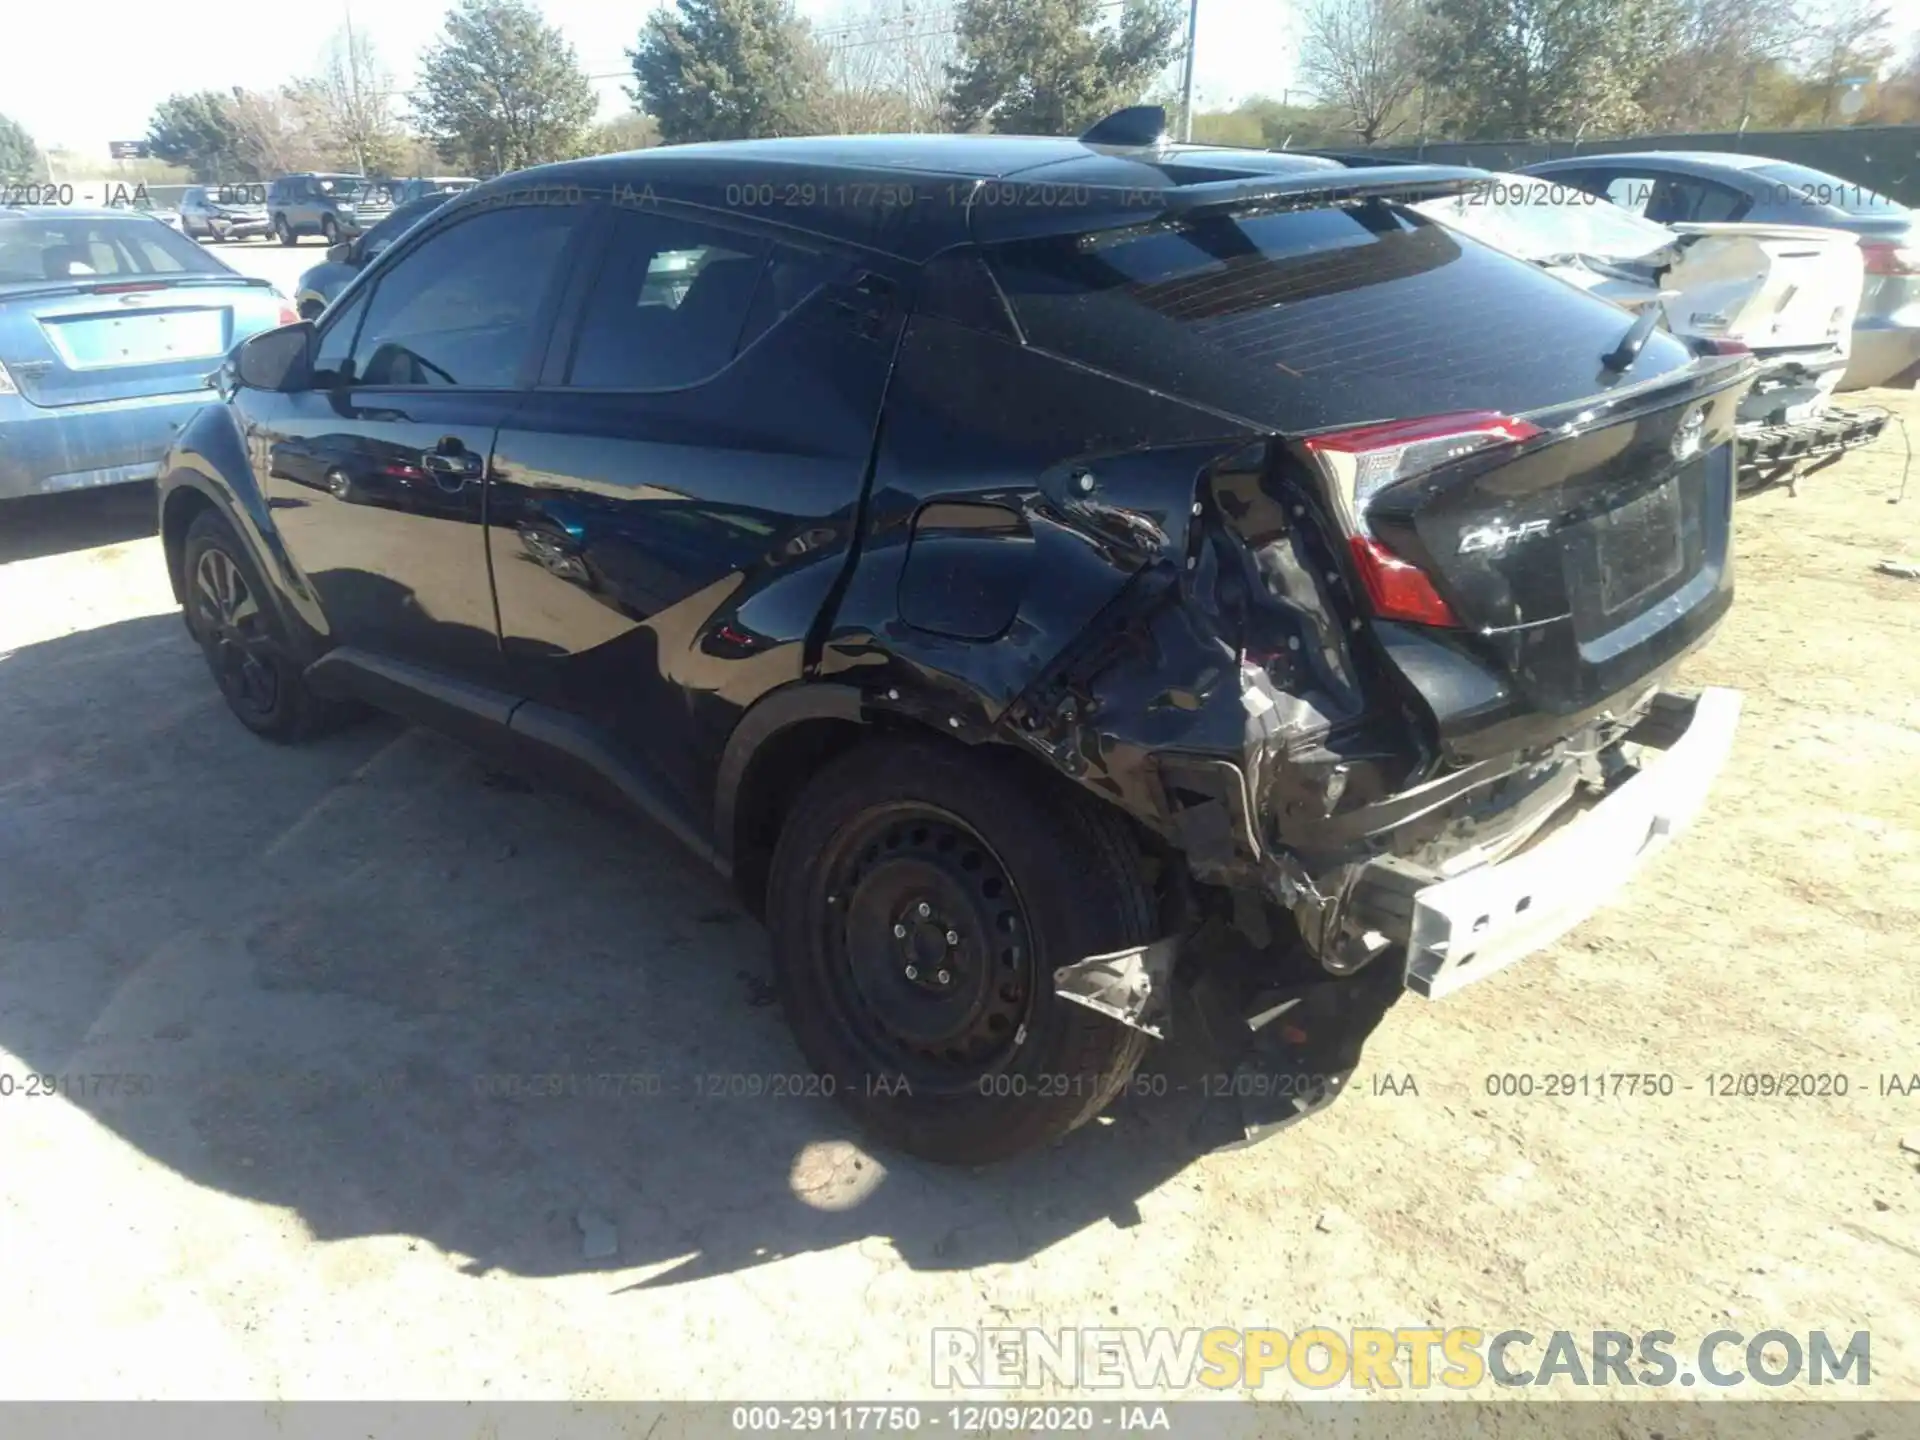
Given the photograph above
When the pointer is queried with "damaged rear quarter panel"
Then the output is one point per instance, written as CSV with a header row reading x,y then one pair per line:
x,y
975,420
1135,589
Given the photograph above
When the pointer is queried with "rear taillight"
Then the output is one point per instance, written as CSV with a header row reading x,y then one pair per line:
x,y
1886,257
1398,589
127,287
1717,345
288,315
1361,462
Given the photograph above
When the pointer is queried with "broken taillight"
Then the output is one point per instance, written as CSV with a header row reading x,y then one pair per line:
x,y
1889,257
1360,462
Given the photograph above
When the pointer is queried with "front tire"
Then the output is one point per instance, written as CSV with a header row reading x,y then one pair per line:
x,y
920,899
329,230
232,618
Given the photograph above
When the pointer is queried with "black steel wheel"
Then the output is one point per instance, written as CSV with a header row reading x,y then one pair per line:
x,y
939,969
921,897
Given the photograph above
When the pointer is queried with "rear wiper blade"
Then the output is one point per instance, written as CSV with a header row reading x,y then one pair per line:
x,y
1633,342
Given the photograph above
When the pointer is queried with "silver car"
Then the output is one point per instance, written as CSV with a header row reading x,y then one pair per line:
x,y
1693,186
110,322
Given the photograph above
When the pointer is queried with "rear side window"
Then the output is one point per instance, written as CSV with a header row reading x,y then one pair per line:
x,y
669,305
1304,319
34,250
1680,199
1803,185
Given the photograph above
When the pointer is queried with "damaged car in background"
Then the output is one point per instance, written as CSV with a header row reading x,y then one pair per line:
x,y
1145,555
1788,293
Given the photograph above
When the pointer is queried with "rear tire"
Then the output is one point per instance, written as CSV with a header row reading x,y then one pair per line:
x,y
284,232
239,632
920,899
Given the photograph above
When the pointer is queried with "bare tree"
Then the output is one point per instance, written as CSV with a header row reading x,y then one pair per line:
x,y
1851,39
1362,58
884,66
354,94
277,132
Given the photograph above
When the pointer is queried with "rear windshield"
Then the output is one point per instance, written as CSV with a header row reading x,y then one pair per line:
x,y
1540,219
1305,319
1798,184
39,248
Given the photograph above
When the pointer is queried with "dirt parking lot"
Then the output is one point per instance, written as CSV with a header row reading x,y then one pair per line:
x,y
277,989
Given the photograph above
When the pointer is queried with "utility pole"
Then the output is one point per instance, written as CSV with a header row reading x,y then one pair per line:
x,y
1186,83
353,89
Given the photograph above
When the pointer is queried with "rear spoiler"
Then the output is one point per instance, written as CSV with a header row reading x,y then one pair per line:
x,y
1323,187
1117,208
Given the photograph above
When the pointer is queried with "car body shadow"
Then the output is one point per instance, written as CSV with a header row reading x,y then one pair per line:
x,y
40,525
379,984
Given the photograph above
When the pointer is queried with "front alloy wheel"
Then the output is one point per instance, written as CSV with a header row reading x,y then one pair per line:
x,y
231,627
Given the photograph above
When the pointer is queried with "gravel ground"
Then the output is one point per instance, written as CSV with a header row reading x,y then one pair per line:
x,y
303,964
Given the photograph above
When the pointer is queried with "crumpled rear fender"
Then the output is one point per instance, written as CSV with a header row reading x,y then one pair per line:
x,y
1228,698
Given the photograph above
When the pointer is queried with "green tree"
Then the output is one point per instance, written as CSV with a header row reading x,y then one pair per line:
x,y
1520,69
1262,123
502,89
1050,67
624,132
20,158
724,70
198,131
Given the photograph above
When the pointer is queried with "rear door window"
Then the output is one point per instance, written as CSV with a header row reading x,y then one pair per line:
x,y
1299,320
669,305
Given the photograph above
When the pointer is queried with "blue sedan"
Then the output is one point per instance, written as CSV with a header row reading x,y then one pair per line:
x,y
110,322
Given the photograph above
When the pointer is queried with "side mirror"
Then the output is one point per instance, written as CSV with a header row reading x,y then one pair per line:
x,y
276,359
341,254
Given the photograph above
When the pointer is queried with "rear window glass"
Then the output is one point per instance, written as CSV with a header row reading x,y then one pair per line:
x,y
1540,219
42,248
1800,184
1304,319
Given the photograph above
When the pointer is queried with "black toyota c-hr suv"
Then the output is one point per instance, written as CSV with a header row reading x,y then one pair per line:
x,y
1030,567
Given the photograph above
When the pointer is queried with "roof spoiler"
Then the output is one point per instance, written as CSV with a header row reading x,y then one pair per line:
x,y
1135,125
1353,159
1322,187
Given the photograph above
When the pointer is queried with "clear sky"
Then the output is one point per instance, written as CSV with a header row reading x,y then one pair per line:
x,y
126,55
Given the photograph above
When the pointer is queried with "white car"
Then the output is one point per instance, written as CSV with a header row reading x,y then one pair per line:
x,y
1788,293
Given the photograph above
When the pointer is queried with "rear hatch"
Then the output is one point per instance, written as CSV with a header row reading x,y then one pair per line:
x,y
1771,287
1497,488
